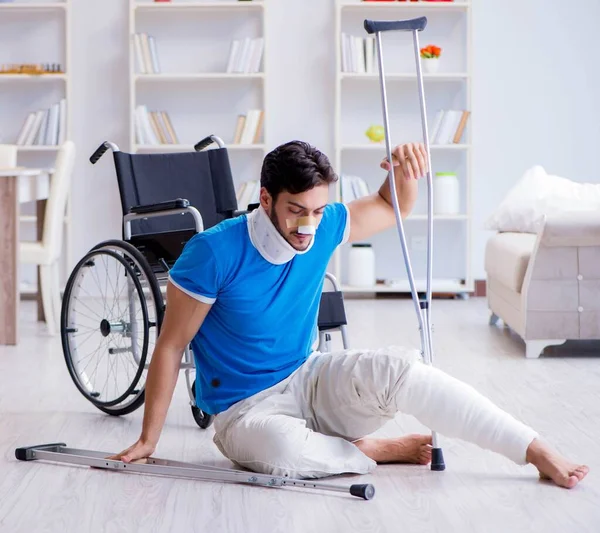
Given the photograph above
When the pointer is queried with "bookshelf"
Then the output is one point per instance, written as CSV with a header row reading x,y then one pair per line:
x,y
24,25
192,74
358,106
248,5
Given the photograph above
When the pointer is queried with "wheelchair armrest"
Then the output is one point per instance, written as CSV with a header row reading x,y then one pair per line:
x,y
251,207
162,209
179,203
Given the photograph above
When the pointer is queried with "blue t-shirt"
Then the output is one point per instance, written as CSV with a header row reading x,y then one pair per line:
x,y
263,321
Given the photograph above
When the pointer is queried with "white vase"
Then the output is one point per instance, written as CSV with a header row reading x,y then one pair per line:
x,y
361,268
430,64
446,194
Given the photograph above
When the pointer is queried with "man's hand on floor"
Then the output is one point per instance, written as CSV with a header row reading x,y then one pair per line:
x,y
140,450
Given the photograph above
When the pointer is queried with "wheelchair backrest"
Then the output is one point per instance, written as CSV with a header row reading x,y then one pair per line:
x,y
203,178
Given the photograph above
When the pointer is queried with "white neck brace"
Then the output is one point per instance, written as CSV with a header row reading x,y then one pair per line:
x,y
268,241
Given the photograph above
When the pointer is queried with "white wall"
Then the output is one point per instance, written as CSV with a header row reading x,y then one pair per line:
x,y
535,98
535,78
100,113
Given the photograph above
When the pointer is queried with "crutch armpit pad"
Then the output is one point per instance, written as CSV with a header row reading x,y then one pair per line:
x,y
304,225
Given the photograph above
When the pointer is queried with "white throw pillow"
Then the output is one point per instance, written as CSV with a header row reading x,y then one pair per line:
x,y
537,194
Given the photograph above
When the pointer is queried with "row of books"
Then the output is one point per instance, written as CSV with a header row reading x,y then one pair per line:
x,y
248,193
245,55
153,127
45,127
448,126
248,127
359,54
352,188
146,55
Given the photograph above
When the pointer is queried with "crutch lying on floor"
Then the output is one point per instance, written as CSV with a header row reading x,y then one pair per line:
x,y
422,307
59,453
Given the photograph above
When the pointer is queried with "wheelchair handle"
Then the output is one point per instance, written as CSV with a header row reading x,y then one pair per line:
x,y
207,141
376,26
101,150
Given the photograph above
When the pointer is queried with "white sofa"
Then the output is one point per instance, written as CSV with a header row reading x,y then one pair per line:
x,y
546,286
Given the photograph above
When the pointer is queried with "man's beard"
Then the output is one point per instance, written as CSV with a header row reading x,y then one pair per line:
x,y
275,222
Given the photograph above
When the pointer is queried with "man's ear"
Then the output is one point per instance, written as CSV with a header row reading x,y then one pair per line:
x,y
266,201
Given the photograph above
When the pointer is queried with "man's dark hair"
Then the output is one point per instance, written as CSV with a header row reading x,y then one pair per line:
x,y
295,167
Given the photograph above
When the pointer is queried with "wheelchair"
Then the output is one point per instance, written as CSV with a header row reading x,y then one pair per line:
x,y
113,304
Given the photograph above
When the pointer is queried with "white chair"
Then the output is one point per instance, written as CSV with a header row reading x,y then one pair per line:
x,y
8,156
46,253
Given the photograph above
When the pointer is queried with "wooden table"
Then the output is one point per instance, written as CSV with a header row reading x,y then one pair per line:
x,y
17,185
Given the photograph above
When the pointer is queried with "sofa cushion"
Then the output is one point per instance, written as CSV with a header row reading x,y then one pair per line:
x,y
507,256
537,194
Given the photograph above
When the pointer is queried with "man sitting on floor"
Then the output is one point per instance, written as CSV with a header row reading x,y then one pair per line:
x,y
246,293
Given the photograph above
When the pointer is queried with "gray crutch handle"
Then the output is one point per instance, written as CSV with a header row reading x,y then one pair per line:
x,y
375,26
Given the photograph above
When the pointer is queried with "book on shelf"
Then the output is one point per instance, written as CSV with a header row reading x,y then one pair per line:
x,y
359,54
146,54
45,127
245,55
248,127
248,193
153,127
448,126
352,188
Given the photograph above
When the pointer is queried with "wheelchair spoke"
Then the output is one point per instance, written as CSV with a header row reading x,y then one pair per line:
x,y
97,362
113,288
95,352
90,309
91,296
96,278
84,341
75,334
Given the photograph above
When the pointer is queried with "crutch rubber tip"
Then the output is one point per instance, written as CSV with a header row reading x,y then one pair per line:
x,y
26,453
437,460
366,492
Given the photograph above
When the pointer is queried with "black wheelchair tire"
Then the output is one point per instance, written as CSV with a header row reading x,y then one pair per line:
x,y
159,306
204,420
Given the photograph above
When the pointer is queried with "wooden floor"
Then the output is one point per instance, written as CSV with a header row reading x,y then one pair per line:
x,y
558,394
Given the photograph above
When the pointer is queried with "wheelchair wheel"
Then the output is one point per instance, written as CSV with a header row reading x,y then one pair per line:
x,y
203,419
111,315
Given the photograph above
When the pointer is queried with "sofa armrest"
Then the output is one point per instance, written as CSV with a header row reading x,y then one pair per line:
x,y
576,228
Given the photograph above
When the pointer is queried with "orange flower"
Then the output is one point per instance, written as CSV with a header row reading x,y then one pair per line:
x,y
431,51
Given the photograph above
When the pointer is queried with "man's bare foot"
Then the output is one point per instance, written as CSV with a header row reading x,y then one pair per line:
x,y
553,466
410,449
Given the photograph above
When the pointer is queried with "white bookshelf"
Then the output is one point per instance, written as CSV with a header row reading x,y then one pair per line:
x,y
190,147
23,26
451,76
203,76
358,106
35,6
193,42
248,5
407,6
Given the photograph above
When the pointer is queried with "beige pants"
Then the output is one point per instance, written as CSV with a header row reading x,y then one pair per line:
x,y
304,426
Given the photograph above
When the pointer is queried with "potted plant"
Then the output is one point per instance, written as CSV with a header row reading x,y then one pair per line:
x,y
430,58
